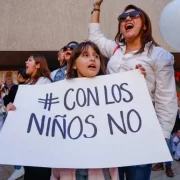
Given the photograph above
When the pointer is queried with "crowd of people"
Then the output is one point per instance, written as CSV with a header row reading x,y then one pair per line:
x,y
133,47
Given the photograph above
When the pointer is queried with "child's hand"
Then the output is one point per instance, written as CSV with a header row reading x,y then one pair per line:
x,y
142,69
10,107
6,92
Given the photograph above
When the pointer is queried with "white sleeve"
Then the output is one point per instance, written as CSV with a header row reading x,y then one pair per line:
x,y
43,80
165,92
47,81
105,45
52,75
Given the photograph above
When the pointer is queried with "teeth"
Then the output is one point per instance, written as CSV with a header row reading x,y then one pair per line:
x,y
92,66
129,26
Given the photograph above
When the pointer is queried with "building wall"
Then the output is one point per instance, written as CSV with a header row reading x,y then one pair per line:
x,y
45,25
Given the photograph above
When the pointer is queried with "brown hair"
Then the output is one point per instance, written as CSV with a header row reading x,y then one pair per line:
x,y
146,34
83,46
42,71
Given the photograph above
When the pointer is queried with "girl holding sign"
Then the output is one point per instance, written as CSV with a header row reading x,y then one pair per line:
x,y
37,69
134,44
86,61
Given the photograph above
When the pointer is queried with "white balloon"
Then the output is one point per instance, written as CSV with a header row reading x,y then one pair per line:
x,y
170,24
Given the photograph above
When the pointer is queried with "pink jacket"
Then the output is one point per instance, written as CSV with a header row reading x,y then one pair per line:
x,y
93,174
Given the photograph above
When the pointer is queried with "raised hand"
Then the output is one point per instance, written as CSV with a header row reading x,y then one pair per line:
x,y
95,17
6,91
97,2
67,55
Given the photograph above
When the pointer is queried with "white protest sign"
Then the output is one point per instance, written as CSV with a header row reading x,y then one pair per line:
x,y
107,121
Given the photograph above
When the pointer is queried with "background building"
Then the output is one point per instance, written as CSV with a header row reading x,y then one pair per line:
x,y
44,26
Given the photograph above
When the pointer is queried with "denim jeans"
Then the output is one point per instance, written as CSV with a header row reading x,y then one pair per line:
x,y
140,172
107,175
4,116
82,174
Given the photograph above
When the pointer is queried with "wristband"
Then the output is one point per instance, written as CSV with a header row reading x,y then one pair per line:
x,y
95,10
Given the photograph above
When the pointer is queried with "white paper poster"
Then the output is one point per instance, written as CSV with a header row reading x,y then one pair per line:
x,y
107,121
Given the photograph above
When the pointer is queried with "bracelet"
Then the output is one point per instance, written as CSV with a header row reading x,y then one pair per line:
x,y
95,10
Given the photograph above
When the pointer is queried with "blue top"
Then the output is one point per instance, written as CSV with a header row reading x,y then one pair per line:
x,y
60,74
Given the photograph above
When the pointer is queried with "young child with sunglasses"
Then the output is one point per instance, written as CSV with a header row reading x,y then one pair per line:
x,y
86,61
134,44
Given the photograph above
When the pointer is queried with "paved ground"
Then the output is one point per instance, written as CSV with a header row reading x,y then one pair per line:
x,y
160,175
5,172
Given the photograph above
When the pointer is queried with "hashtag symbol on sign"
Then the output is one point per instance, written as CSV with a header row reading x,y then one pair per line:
x,y
48,101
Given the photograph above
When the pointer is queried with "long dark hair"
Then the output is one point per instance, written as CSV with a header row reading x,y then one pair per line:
x,y
42,71
22,72
146,34
83,46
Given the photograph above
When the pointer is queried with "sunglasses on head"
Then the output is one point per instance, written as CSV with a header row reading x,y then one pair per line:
x,y
132,15
71,47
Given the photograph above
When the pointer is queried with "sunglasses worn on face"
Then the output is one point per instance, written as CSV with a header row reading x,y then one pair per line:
x,y
71,47
132,15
